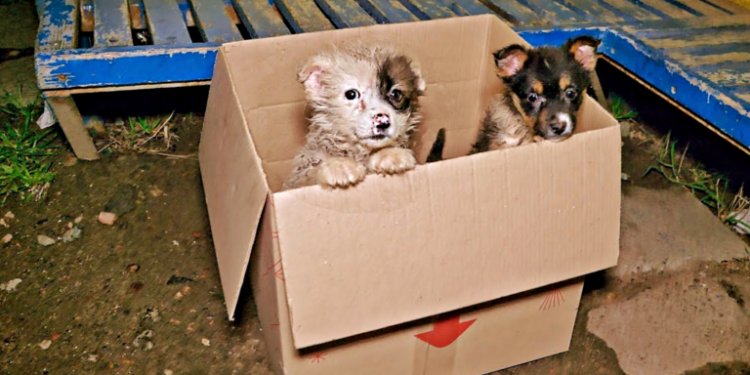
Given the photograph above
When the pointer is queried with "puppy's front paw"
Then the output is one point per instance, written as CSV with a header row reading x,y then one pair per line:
x,y
392,161
538,138
341,172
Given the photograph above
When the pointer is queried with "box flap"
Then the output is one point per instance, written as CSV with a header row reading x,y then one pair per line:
x,y
233,182
449,234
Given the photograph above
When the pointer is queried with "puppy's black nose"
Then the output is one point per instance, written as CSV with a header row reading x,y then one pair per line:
x,y
382,121
557,127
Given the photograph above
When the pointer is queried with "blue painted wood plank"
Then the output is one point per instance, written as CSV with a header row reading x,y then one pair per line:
x,y
165,22
345,14
112,23
57,29
626,7
703,39
699,51
187,13
518,13
677,33
261,18
705,98
556,13
96,68
467,7
711,55
387,11
214,21
428,9
728,6
303,16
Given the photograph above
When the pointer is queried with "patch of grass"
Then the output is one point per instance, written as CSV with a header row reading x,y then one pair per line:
x,y
23,151
710,188
137,134
620,110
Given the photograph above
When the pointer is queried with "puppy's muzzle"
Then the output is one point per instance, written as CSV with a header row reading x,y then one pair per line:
x,y
381,124
561,123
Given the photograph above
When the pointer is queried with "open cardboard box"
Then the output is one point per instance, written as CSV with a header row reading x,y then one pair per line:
x,y
463,266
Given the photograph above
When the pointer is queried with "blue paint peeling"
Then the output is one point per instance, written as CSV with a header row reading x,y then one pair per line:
x,y
58,15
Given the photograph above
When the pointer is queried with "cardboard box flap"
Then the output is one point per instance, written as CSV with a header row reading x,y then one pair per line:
x,y
233,181
401,248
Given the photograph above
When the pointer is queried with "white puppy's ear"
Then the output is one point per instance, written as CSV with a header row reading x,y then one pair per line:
x,y
311,75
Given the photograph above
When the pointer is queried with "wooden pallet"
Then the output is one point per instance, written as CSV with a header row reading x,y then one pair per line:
x,y
87,46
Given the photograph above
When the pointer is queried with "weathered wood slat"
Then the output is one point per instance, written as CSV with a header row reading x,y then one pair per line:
x,y
730,6
187,14
214,21
166,22
112,23
726,77
710,50
681,33
703,39
627,7
261,18
595,11
703,8
303,16
745,97
58,28
428,9
520,13
469,7
556,13
345,14
668,9
691,60
387,11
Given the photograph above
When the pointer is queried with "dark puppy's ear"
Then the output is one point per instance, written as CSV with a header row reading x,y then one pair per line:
x,y
510,60
583,50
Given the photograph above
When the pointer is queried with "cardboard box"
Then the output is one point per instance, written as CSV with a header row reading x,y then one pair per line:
x,y
464,266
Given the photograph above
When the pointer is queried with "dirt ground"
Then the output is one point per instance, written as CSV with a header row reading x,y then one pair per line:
x,y
143,296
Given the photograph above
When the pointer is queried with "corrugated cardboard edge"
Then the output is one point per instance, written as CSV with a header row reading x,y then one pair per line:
x,y
233,181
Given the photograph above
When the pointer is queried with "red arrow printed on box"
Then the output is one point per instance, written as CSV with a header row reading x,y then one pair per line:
x,y
445,332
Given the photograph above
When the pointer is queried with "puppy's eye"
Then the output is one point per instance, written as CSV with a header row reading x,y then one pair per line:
x,y
533,97
571,94
396,95
351,94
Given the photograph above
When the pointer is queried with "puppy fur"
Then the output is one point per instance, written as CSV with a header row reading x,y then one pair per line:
x,y
365,107
542,92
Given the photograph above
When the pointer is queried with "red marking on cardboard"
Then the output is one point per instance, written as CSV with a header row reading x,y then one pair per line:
x,y
318,357
553,299
445,332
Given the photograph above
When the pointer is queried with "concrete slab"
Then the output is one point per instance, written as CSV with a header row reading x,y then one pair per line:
x,y
679,324
664,229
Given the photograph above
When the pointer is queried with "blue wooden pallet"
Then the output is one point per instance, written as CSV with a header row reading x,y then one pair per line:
x,y
694,51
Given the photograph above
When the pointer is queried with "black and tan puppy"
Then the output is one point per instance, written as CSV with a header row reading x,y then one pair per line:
x,y
542,92
365,102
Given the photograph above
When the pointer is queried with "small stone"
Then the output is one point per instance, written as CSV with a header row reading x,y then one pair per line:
x,y
71,235
186,290
149,345
133,268
144,336
206,342
45,344
178,295
625,129
156,192
625,177
78,220
3,223
92,358
107,218
44,240
168,372
7,238
10,285
9,215
175,243
153,315
70,161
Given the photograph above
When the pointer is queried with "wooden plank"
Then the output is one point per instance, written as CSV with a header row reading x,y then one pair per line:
x,y
595,11
112,23
668,9
556,13
387,11
730,6
469,7
137,15
58,27
745,97
113,66
165,22
691,60
680,33
632,10
703,39
215,22
261,18
517,11
96,90
726,77
187,13
72,124
704,8
428,9
643,28
303,16
345,14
